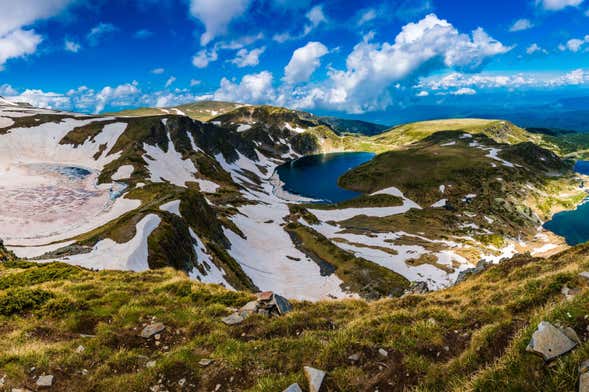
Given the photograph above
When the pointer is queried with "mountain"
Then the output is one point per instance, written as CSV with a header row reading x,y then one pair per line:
x,y
340,125
202,111
153,191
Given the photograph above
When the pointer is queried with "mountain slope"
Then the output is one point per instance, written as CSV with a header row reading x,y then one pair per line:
x,y
146,192
82,328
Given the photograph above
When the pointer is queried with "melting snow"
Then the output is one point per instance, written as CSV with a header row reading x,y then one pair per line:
x,y
172,207
123,172
168,166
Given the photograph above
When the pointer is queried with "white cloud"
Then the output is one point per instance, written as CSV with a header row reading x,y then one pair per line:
x,y
216,15
253,88
464,91
574,44
15,16
304,62
170,81
556,5
573,78
7,90
366,16
422,47
195,82
248,58
422,93
21,13
521,24
534,48
315,17
120,95
98,32
158,71
204,57
18,43
72,46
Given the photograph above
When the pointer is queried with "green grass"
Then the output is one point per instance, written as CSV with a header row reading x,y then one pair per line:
x,y
470,337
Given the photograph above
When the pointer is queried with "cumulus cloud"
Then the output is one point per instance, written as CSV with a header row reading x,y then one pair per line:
x,y
15,40
422,47
573,78
304,62
216,15
464,91
556,5
535,48
18,43
98,32
574,44
521,24
71,46
253,88
248,58
203,57
170,81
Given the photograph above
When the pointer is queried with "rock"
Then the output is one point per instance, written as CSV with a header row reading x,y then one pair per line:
x,y
281,304
314,377
418,287
181,382
584,382
571,334
80,349
293,388
354,357
152,330
265,295
251,307
584,367
205,362
150,364
463,275
383,352
569,293
584,274
232,319
45,381
20,390
550,342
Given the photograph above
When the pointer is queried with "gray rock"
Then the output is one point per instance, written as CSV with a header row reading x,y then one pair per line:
x,y
80,349
383,352
45,381
152,329
293,388
281,304
584,382
463,275
250,307
354,357
232,319
150,364
418,287
584,367
584,274
550,342
314,377
205,362
571,334
569,293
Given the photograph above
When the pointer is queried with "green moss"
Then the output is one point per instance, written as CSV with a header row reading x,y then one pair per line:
x,y
20,300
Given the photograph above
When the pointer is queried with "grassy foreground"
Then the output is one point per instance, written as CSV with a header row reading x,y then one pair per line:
x,y
82,327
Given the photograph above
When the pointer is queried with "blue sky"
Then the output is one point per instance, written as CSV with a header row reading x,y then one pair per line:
x,y
349,58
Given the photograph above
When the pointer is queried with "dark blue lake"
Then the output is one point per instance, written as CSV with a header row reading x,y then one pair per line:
x,y
573,225
316,176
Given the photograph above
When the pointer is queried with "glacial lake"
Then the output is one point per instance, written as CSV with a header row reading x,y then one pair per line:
x,y
573,225
316,176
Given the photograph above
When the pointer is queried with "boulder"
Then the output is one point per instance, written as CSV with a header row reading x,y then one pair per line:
x,y
584,367
232,319
152,329
418,287
250,307
45,381
281,303
550,341
265,295
584,274
205,362
314,377
293,388
584,382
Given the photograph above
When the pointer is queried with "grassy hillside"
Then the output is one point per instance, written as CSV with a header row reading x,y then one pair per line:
x,y
202,111
82,327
